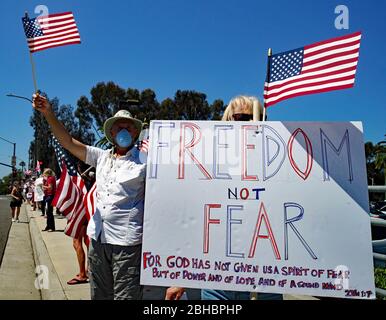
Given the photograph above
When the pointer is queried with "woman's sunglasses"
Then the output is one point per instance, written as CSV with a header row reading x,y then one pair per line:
x,y
242,117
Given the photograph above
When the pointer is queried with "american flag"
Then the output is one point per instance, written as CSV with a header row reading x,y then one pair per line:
x,y
50,31
320,67
89,202
144,145
70,193
37,169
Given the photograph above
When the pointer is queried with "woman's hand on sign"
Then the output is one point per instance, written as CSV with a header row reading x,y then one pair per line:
x,y
174,293
41,104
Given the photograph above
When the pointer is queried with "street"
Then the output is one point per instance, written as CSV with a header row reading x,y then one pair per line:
x,y
5,223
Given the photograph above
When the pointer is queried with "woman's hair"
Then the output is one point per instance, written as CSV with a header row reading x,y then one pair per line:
x,y
252,104
48,172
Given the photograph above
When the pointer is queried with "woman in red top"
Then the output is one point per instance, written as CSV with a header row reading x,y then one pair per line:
x,y
49,187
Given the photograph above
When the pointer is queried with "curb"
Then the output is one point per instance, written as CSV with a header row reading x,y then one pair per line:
x,y
41,257
5,244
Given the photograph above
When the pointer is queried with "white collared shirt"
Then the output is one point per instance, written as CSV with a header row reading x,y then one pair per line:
x,y
120,194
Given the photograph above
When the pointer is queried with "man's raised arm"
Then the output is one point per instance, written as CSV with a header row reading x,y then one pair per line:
x,y
77,148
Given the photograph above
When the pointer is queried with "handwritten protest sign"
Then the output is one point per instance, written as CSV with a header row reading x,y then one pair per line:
x,y
275,207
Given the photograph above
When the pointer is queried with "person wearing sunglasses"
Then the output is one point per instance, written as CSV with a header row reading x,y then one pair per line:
x,y
240,108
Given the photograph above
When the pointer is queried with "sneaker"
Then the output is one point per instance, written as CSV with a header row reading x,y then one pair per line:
x,y
13,220
17,220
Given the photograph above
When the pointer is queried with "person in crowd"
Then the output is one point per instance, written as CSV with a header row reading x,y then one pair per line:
x,y
33,204
116,227
39,194
49,188
240,108
29,193
16,201
24,183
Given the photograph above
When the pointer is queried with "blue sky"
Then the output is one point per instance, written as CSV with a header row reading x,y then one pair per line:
x,y
216,47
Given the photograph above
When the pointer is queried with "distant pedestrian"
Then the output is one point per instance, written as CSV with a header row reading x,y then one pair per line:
x,y
38,193
16,201
49,188
29,194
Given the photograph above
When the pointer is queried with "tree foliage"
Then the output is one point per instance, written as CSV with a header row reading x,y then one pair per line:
x,y
41,148
108,98
105,100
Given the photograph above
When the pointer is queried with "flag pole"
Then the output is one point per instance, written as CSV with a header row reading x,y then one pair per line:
x,y
33,73
33,65
267,80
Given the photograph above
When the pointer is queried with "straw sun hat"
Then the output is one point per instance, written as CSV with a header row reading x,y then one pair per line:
x,y
120,115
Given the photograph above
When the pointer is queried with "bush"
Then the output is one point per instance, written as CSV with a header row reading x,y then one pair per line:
x,y
380,279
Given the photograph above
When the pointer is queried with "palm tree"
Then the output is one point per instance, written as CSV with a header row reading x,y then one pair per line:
x,y
22,165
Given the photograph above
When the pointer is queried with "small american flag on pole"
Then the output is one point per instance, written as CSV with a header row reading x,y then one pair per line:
x,y
50,31
144,146
70,193
320,67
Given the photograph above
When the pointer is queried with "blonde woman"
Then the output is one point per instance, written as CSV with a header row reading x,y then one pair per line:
x,y
49,188
16,201
243,108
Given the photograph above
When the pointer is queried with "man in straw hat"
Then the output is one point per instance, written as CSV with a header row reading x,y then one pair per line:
x,y
116,226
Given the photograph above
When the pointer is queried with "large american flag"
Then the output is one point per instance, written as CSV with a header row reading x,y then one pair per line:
x,y
70,193
320,67
50,31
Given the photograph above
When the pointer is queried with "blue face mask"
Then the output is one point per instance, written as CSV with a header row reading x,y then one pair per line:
x,y
123,138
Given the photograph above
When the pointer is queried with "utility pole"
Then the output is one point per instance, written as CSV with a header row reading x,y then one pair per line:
x,y
13,162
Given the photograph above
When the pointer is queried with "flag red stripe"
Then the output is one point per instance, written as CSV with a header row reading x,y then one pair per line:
x,y
337,47
58,45
58,189
59,32
35,40
273,86
307,85
353,35
53,41
310,92
67,196
52,29
328,57
43,21
55,15
331,65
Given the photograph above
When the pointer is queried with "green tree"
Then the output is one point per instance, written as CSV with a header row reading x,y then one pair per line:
x,y
22,164
168,110
217,109
5,183
380,158
192,105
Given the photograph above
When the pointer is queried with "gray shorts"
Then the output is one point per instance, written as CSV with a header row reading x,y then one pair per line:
x,y
114,271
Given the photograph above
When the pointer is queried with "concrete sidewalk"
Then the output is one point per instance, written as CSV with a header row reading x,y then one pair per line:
x,y
54,251
17,272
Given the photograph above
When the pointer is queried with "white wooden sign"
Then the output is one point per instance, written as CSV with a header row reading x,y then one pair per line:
x,y
277,207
